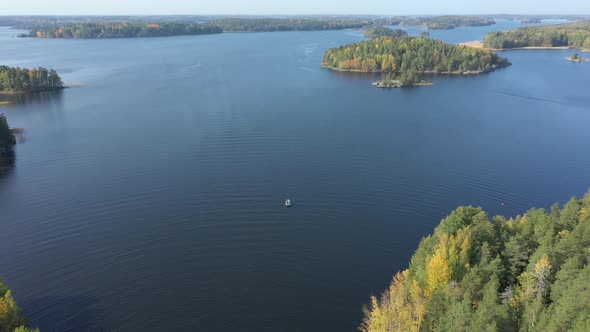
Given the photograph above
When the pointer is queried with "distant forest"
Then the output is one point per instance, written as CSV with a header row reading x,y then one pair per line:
x,y
476,273
571,34
448,22
121,30
15,79
158,26
286,24
161,29
411,54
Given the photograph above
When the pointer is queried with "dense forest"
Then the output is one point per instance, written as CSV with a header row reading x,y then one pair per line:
x,y
529,273
571,34
411,54
11,319
15,79
381,31
121,30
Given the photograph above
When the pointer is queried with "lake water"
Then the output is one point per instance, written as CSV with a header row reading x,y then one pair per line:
x,y
151,199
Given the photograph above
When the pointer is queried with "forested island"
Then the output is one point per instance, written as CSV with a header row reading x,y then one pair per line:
x,y
415,55
11,319
576,58
23,80
287,24
561,35
529,273
120,30
531,20
448,22
381,31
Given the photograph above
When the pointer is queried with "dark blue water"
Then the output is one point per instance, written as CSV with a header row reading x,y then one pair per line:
x,y
151,199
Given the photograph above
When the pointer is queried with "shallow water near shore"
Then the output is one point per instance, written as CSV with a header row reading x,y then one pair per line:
x,y
152,198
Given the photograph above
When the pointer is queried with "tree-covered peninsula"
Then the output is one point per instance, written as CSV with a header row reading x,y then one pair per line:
x,y
120,30
381,31
575,35
11,319
22,80
411,54
529,273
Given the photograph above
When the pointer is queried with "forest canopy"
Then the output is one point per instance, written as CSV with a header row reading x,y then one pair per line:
x,y
571,35
411,54
529,273
15,79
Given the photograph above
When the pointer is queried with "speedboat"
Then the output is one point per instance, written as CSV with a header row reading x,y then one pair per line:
x,y
288,203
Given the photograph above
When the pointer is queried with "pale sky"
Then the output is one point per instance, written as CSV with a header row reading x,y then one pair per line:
x,y
266,7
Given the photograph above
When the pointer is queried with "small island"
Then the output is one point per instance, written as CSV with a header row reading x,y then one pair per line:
x,y
531,20
570,35
381,31
576,58
447,22
411,57
22,80
401,81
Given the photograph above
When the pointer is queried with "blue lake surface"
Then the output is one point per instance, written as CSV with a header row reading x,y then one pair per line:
x,y
151,199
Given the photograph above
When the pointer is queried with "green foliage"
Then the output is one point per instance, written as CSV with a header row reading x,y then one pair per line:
x,y
381,31
571,34
121,30
529,273
411,54
15,79
25,329
11,319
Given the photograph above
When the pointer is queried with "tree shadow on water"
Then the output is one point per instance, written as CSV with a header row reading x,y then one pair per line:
x,y
6,165
64,314
44,97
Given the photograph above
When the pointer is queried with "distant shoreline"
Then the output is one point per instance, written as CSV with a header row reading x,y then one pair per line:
x,y
479,44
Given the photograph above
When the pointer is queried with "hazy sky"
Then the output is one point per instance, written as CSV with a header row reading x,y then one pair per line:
x,y
384,7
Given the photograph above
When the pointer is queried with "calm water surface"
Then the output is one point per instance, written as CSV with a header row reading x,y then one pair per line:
x,y
151,199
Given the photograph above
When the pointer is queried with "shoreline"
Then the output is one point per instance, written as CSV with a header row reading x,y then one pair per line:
x,y
480,44
14,93
427,72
